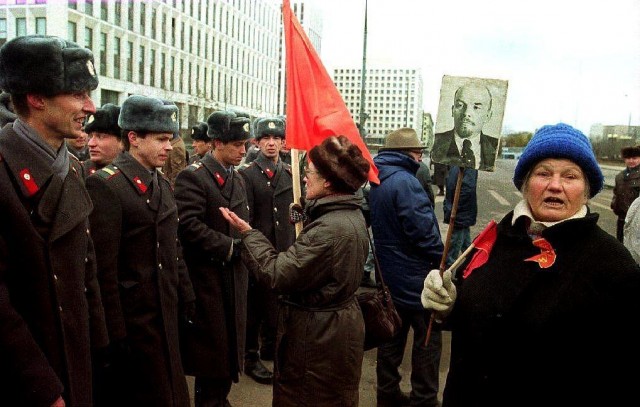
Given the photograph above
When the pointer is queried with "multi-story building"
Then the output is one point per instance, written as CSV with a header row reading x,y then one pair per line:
x,y
204,55
392,98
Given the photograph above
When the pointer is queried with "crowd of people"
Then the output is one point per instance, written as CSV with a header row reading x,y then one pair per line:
x,y
124,272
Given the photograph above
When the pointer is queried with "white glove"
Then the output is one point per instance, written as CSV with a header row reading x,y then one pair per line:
x,y
439,293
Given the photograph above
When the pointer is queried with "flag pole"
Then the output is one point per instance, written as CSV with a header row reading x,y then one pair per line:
x,y
447,243
297,188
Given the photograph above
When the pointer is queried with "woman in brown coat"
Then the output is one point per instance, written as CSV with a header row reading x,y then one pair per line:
x,y
320,342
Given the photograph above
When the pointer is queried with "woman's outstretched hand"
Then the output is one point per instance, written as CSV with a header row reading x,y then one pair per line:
x,y
234,220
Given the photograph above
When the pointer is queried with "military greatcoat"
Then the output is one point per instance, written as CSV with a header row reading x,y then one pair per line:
x,y
50,307
214,346
143,279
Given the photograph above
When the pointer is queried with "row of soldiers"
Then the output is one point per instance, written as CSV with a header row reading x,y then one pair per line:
x,y
113,283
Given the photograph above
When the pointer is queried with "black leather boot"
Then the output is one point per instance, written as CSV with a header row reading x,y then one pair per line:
x,y
254,368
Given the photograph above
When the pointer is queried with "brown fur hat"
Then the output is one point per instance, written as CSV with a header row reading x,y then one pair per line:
x,y
340,163
630,152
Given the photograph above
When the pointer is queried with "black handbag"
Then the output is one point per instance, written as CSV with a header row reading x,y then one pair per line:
x,y
381,320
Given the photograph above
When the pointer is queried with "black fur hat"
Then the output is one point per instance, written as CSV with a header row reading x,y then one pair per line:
x,y
269,126
104,120
340,163
199,132
148,114
228,126
630,152
46,65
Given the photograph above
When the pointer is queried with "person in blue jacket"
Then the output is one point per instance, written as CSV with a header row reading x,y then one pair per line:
x,y
408,244
467,211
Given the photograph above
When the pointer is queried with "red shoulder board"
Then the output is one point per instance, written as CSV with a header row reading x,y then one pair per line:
x,y
268,172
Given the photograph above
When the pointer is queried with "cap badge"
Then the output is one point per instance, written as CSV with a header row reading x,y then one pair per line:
x,y
90,119
272,125
193,131
246,127
90,68
174,117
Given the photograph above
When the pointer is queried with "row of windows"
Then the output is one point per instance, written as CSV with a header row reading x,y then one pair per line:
x,y
376,71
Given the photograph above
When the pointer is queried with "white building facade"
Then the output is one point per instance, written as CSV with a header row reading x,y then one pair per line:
x,y
204,55
392,98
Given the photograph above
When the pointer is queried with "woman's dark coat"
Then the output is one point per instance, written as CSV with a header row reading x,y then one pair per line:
x,y
320,342
523,335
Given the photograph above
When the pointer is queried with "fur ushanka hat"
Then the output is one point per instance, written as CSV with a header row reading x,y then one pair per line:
x,y
104,120
199,132
45,65
630,152
340,163
269,126
149,115
228,126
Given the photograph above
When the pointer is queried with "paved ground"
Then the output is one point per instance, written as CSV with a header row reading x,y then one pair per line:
x,y
248,393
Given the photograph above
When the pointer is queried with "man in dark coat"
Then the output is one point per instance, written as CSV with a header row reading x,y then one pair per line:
x,y
407,244
105,138
627,187
50,307
201,142
466,213
466,145
213,347
144,283
269,194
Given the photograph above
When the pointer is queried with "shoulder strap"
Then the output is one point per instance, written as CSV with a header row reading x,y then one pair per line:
x,y
375,262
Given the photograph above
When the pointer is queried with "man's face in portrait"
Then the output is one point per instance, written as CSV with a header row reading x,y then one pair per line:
x,y
471,109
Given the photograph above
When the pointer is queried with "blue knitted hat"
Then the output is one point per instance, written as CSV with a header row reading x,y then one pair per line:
x,y
560,141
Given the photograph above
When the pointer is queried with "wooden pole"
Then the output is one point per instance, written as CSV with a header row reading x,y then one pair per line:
x,y
297,188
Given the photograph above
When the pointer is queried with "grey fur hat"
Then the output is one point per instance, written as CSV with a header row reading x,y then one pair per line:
x,y
148,114
269,126
199,132
228,126
46,65
104,120
6,109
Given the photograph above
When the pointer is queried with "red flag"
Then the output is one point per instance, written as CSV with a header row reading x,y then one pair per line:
x,y
484,243
315,109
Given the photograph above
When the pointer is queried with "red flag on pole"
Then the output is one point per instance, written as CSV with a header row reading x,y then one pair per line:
x,y
315,109
484,243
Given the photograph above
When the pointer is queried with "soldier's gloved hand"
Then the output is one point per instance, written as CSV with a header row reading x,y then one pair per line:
x,y
439,293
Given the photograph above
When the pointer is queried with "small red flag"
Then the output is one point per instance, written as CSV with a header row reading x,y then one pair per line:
x,y
315,109
547,255
484,243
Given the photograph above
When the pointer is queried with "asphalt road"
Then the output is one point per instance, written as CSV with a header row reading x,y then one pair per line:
x,y
496,197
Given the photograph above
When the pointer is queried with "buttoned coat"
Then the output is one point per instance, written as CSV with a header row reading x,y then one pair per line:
x,y
320,341
558,335
625,191
445,150
143,279
269,194
214,346
50,307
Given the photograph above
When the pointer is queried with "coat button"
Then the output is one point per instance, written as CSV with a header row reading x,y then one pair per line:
x,y
277,223
158,245
160,266
275,209
86,260
55,277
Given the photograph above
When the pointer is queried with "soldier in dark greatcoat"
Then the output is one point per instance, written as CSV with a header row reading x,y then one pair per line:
x,y
213,348
51,315
144,283
105,138
269,194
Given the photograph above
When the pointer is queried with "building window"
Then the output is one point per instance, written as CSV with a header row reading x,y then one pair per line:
x,y
153,23
143,12
72,4
116,58
71,31
141,65
3,31
108,96
172,68
88,38
21,26
152,68
129,56
163,77
118,12
103,54
163,28
88,7
130,16
104,10
41,26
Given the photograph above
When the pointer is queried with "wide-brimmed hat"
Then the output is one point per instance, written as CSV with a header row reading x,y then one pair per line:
x,y
403,139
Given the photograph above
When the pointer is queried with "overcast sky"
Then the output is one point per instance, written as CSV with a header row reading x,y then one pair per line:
x,y
575,61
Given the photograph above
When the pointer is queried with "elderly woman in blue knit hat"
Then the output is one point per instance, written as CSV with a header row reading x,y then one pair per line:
x,y
546,307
